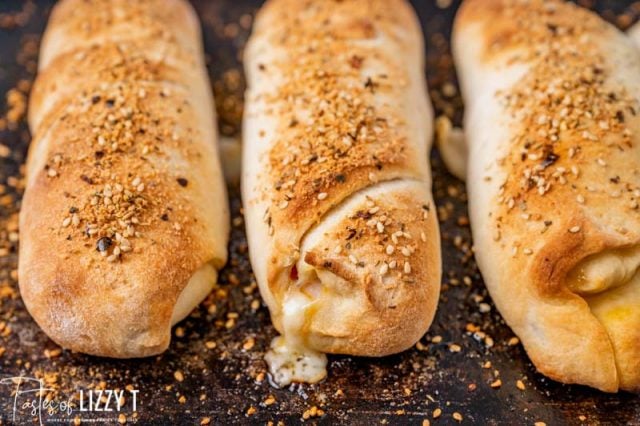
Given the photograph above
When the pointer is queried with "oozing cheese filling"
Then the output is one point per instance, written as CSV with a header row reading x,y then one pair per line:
x,y
290,359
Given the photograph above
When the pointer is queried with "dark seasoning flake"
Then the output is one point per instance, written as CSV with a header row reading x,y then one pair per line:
x,y
121,128
469,368
567,100
340,121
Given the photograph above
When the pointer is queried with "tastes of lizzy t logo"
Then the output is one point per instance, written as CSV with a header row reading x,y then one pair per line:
x,y
31,399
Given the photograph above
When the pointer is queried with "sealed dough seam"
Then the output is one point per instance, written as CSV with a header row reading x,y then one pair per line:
x,y
609,282
290,358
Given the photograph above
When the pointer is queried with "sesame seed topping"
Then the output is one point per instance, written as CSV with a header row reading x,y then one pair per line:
x,y
384,269
568,116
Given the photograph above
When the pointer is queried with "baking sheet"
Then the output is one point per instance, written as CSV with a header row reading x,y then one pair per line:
x,y
468,368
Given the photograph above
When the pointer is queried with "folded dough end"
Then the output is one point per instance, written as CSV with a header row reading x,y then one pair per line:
x,y
369,272
609,281
115,326
199,286
567,343
91,307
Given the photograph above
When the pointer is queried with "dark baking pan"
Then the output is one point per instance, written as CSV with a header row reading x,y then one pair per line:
x,y
214,370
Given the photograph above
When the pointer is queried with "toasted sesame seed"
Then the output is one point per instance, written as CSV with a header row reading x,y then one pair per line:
x,y
322,196
484,307
574,229
384,269
390,249
407,268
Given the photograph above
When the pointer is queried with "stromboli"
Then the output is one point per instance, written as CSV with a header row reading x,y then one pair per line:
x,y
552,93
124,221
342,229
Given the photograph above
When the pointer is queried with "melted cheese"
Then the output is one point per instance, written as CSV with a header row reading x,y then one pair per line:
x,y
290,359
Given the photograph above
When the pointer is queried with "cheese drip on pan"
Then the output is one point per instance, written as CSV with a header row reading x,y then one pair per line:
x,y
290,359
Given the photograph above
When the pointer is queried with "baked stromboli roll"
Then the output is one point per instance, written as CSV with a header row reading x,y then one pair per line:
x,y
124,222
343,235
552,95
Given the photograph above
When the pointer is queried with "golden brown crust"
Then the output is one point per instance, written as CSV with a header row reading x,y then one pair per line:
x,y
556,85
399,289
77,71
124,199
336,104
96,22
